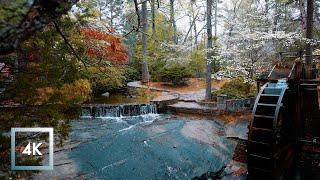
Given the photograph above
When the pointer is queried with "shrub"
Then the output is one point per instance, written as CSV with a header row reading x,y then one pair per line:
x,y
197,63
131,74
156,69
76,92
177,74
237,88
106,79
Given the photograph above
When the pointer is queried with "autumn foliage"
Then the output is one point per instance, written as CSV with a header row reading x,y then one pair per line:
x,y
76,92
104,45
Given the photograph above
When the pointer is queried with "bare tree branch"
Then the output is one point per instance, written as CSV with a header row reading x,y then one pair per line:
x,y
189,30
68,43
137,12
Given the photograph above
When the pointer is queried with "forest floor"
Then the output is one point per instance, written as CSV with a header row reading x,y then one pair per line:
x,y
193,91
188,98
194,85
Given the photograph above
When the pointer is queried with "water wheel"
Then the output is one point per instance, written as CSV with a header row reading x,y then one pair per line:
x,y
270,151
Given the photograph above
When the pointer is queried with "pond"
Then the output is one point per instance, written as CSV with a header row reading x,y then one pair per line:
x,y
122,97
150,146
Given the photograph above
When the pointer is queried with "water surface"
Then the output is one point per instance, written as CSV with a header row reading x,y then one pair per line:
x,y
149,147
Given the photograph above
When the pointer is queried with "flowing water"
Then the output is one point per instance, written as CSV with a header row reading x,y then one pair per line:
x,y
107,111
134,142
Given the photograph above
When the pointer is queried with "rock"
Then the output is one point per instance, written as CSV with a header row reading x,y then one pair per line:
x,y
106,94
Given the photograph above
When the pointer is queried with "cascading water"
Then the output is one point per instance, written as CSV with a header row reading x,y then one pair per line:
x,y
104,111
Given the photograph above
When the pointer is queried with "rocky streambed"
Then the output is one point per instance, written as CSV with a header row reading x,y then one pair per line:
x,y
150,147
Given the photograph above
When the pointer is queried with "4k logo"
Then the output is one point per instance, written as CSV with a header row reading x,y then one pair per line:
x,y
32,148
35,150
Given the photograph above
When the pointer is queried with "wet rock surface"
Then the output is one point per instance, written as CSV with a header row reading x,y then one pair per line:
x,y
148,147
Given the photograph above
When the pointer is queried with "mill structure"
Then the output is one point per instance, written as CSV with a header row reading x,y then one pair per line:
x,y
283,139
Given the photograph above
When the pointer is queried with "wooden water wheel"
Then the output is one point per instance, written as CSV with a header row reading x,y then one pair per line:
x,y
270,149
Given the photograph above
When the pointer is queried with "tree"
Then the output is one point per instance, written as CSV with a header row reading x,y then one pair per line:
x,y
106,60
104,45
194,17
215,30
254,37
193,24
153,11
209,50
144,22
48,87
173,22
30,19
309,36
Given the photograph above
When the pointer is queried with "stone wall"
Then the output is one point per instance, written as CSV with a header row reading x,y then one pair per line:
x,y
235,105
163,103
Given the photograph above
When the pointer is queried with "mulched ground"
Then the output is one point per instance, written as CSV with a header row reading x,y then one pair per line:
x,y
240,153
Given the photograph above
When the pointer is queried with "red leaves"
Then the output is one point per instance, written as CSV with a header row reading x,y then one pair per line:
x,y
105,45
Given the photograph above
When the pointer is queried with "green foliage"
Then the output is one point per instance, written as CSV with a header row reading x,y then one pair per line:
x,y
49,85
157,51
165,59
237,88
11,12
156,69
131,74
105,79
197,62
176,73
155,47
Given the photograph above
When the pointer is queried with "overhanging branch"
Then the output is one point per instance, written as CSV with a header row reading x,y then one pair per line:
x,y
68,43
40,13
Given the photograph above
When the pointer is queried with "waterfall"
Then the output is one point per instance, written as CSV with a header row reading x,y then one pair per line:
x,y
102,110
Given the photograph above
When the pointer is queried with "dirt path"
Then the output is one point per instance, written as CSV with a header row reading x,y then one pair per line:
x,y
194,91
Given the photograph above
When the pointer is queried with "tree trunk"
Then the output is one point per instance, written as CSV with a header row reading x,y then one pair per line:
x,y
215,17
302,14
215,29
195,35
192,22
173,22
209,50
153,11
309,29
195,25
144,23
275,18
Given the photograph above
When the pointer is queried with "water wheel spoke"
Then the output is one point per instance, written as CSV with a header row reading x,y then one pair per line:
x,y
262,139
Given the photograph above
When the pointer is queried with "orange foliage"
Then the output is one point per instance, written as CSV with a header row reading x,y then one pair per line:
x,y
78,92
105,45
44,94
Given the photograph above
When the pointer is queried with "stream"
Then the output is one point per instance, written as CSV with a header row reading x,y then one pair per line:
x,y
147,146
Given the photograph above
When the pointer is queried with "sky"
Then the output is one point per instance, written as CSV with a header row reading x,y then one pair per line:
x,y
183,24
